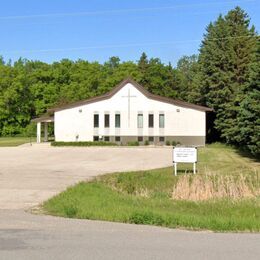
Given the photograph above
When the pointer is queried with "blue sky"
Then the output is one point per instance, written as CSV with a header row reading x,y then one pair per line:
x,y
95,30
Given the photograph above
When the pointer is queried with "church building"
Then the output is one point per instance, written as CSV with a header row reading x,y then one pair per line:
x,y
125,114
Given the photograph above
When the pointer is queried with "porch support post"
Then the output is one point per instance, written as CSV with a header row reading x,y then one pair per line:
x,y
45,131
38,132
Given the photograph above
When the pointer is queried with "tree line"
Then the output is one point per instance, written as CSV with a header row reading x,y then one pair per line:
x,y
224,76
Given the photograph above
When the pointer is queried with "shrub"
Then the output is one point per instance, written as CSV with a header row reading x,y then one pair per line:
x,y
174,143
95,143
168,143
146,142
133,143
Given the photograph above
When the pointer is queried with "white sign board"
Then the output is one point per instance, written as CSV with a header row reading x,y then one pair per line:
x,y
184,155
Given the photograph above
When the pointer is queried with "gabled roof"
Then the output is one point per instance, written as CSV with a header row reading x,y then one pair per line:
x,y
146,93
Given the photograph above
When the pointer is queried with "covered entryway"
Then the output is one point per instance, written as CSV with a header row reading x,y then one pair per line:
x,y
45,120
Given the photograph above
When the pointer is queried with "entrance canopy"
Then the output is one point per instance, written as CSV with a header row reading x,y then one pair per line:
x,y
43,119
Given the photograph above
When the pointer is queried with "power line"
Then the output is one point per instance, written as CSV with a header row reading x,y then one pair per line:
x,y
117,11
123,45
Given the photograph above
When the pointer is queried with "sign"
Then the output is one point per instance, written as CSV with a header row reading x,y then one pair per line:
x,y
184,155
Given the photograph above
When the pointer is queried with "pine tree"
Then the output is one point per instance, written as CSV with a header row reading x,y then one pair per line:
x,y
143,65
248,116
225,57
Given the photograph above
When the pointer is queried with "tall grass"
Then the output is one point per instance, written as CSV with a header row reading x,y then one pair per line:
x,y
213,186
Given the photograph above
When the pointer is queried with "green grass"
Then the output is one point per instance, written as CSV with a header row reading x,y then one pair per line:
x,y
145,197
15,141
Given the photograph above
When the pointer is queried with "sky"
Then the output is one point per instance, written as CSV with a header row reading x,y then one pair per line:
x,y
95,30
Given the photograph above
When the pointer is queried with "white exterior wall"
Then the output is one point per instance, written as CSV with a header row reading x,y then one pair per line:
x,y
70,122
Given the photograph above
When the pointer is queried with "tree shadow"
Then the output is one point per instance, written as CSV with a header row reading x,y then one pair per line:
x,y
247,154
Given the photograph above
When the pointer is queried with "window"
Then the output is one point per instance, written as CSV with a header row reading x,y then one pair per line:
x,y
161,139
140,120
161,120
140,139
96,120
106,138
106,120
117,120
117,139
150,123
151,139
95,138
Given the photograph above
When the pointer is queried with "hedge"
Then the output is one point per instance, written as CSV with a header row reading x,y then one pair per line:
x,y
95,143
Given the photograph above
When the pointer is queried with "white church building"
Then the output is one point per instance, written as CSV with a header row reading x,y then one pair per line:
x,y
128,113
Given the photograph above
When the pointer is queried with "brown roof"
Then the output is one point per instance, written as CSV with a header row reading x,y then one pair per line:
x,y
141,89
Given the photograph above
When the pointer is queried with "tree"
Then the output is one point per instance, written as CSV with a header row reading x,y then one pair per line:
x,y
188,83
16,101
225,57
248,115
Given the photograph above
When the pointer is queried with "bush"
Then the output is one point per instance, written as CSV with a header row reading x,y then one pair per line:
x,y
30,130
133,143
174,143
168,142
146,142
95,143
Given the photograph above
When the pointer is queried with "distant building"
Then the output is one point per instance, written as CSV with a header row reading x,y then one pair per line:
x,y
128,113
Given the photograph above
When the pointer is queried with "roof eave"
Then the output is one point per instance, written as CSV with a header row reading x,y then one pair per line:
x,y
141,89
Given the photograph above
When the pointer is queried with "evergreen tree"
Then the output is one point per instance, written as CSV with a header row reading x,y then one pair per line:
x,y
248,116
225,57
143,65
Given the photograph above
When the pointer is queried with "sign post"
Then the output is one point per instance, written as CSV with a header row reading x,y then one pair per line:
x,y
184,155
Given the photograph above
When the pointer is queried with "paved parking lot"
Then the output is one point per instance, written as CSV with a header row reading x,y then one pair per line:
x,y
32,174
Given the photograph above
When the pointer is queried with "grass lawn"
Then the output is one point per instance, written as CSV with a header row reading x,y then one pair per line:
x,y
15,141
146,197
